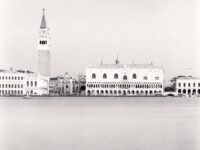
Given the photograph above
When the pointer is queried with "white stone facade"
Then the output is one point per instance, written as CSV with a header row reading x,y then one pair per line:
x,y
11,83
188,86
124,80
36,85
18,83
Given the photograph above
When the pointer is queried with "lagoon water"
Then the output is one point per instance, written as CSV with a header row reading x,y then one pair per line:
x,y
74,123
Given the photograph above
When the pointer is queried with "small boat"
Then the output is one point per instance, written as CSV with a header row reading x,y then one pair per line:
x,y
26,96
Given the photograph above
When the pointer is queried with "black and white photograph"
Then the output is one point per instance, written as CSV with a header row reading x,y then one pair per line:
x,y
99,74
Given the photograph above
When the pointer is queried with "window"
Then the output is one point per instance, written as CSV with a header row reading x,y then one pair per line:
x,y
31,83
198,84
179,84
188,84
193,84
125,77
156,78
93,76
104,76
116,76
145,77
15,78
3,78
27,83
35,83
184,84
18,78
43,42
0,77
21,78
134,76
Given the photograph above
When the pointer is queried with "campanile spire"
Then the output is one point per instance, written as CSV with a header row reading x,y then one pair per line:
x,y
44,48
43,22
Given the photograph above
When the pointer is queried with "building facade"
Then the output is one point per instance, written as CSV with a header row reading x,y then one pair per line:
x,y
63,85
124,80
81,84
55,86
20,82
188,86
44,48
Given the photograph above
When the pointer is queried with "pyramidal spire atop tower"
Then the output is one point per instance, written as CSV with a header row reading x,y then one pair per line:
x,y
43,22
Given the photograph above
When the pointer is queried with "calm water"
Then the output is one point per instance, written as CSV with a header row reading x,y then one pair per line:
x,y
100,124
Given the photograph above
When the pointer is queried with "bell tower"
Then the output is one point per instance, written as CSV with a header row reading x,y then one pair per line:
x,y
44,48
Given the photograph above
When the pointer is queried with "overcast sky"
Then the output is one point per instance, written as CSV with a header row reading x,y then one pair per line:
x,y
165,32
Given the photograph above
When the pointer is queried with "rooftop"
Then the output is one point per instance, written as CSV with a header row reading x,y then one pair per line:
x,y
15,71
188,78
118,66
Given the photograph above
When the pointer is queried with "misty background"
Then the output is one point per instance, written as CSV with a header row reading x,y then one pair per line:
x,y
165,32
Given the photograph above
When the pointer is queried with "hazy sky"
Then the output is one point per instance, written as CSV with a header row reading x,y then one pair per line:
x,y
165,32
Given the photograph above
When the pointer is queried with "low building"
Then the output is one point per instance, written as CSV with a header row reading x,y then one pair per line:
x,y
124,80
20,82
81,84
188,86
63,85
55,86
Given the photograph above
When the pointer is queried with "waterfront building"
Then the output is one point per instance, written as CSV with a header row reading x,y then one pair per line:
x,y
55,86
70,85
20,82
63,85
188,86
44,48
81,84
36,84
124,80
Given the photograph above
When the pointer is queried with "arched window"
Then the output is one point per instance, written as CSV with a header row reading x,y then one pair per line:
x,y
125,77
116,76
93,76
104,76
134,76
